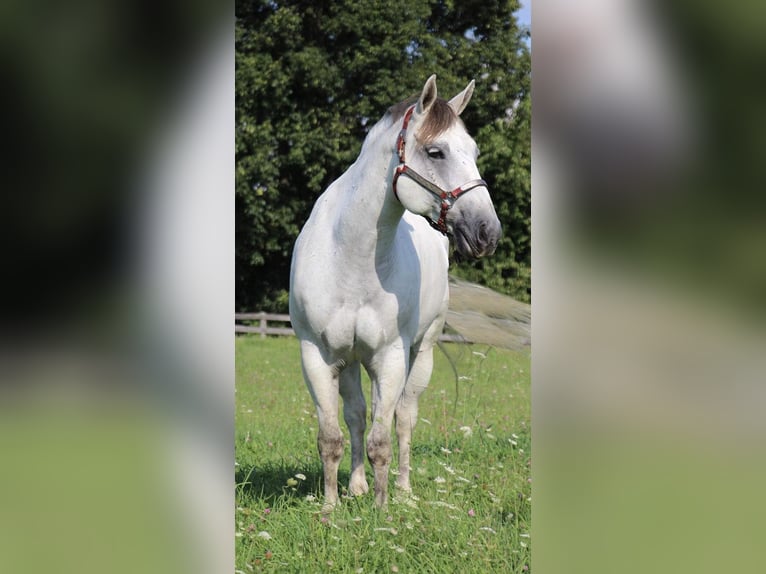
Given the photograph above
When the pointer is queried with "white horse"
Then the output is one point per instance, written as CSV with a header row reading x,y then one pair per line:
x,y
368,283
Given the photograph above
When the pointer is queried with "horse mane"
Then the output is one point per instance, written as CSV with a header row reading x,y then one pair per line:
x,y
440,118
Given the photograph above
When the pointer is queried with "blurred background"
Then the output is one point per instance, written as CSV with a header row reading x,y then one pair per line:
x,y
648,282
116,361
647,274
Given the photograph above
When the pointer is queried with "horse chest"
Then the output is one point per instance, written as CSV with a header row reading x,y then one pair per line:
x,y
364,325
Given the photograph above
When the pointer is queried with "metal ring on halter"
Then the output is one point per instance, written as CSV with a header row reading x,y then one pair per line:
x,y
447,198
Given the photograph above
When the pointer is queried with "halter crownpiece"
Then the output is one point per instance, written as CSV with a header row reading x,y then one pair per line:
x,y
447,198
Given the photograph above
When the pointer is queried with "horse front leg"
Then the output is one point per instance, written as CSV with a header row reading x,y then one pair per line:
x,y
322,382
387,371
407,411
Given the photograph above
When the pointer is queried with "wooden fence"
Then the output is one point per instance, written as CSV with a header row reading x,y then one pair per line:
x,y
263,328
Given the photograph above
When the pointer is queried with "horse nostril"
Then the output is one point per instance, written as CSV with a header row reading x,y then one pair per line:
x,y
483,234
487,237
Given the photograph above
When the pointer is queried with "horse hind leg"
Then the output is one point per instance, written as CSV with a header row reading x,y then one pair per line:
x,y
407,411
355,414
322,382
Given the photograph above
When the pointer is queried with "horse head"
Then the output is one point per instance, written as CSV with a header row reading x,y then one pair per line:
x,y
437,176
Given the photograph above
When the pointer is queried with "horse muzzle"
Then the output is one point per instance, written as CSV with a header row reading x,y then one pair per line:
x,y
477,238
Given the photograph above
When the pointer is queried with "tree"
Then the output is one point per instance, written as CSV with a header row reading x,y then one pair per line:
x,y
313,77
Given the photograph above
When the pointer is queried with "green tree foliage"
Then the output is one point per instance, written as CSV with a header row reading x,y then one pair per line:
x,y
313,76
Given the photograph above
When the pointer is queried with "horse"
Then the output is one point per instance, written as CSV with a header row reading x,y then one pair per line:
x,y
369,284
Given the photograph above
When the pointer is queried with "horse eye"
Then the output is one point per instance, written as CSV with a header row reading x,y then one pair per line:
x,y
435,153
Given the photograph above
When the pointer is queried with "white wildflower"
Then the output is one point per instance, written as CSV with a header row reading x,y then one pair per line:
x,y
467,431
440,480
300,476
265,535
442,503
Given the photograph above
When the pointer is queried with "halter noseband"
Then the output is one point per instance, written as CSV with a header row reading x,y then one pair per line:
x,y
447,198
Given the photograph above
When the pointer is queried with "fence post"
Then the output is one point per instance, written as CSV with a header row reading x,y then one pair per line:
x,y
262,325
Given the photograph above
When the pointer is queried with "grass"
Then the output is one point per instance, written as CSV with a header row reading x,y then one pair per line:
x,y
471,472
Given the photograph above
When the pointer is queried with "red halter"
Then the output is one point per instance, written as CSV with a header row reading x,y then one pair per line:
x,y
447,198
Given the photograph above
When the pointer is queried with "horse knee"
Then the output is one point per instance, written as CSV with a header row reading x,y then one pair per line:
x,y
330,444
379,446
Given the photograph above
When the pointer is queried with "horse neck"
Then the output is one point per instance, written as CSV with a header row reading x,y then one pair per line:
x,y
370,214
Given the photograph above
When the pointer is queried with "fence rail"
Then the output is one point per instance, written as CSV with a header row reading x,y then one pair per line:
x,y
263,328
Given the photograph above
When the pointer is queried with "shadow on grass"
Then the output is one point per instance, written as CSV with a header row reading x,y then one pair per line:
x,y
272,481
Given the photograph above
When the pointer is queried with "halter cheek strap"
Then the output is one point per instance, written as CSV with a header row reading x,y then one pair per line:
x,y
447,198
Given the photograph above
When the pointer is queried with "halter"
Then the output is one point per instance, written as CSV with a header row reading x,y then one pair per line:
x,y
447,198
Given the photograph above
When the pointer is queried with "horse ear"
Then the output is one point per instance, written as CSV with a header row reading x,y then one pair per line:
x,y
459,102
427,96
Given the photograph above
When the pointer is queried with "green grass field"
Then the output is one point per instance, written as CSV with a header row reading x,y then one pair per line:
x,y
471,466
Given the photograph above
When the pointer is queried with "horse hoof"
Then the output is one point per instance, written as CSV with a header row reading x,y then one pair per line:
x,y
328,507
358,488
381,500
